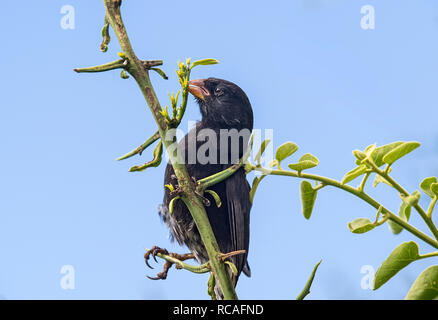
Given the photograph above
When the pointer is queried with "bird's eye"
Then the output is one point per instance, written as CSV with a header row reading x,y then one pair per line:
x,y
218,91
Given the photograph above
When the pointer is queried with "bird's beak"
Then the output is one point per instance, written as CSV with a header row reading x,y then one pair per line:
x,y
197,88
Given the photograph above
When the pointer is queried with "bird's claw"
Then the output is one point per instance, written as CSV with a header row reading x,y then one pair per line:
x,y
154,251
163,274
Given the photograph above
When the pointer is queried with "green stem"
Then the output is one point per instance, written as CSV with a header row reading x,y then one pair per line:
x,y
306,289
185,97
403,192
182,265
428,255
193,202
431,207
364,181
210,287
357,193
209,181
141,148
119,64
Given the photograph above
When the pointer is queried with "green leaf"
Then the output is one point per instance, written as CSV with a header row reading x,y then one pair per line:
x,y
255,184
394,227
307,161
425,287
309,157
426,184
363,155
405,214
370,149
405,211
361,225
302,165
402,256
262,150
308,197
400,151
434,188
353,174
380,152
204,62
359,155
285,150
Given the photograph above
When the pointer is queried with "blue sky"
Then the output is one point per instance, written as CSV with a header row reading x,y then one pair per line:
x,y
312,74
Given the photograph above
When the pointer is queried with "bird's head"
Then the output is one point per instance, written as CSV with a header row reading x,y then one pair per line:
x,y
223,104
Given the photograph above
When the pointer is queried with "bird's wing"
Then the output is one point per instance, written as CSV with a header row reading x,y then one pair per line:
x,y
239,206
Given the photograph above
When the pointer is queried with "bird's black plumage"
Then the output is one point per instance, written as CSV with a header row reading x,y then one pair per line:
x,y
224,106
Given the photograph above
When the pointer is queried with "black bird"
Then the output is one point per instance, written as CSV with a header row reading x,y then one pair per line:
x,y
224,106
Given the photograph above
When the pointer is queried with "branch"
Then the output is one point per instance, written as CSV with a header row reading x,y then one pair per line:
x,y
137,69
141,148
148,64
360,194
119,64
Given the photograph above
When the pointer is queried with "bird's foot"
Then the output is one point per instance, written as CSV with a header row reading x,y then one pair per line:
x,y
163,274
167,265
154,251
